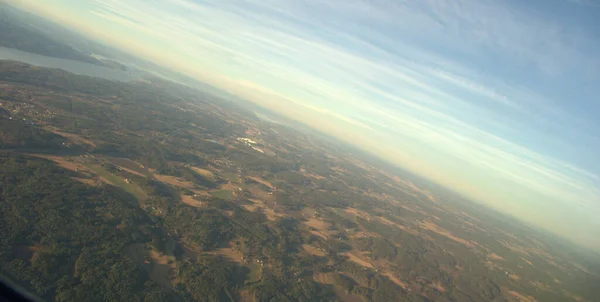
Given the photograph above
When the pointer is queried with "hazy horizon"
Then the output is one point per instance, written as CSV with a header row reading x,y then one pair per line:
x,y
494,100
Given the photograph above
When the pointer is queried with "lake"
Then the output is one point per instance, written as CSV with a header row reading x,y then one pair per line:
x,y
69,65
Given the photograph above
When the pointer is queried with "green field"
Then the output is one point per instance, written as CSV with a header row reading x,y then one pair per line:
x,y
231,176
119,181
255,272
222,194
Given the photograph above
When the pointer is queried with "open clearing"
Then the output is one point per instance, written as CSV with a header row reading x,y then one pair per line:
x,y
247,296
428,225
162,269
317,224
251,207
204,172
352,257
130,166
74,138
118,181
229,253
255,272
319,227
261,194
395,279
191,201
62,161
271,214
324,278
100,172
520,297
393,224
356,212
258,205
313,250
231,176
222,194
262,181
174,181
87,181
328,278
27,253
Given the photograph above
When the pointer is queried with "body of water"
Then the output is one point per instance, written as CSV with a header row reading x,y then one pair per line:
x,y
69,65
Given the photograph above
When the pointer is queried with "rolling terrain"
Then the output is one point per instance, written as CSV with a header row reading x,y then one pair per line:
x,y
151,191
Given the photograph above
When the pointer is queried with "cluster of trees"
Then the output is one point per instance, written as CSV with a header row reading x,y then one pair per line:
x,y
63,240
17,134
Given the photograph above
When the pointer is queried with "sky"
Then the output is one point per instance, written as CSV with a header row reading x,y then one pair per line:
x,y
498,100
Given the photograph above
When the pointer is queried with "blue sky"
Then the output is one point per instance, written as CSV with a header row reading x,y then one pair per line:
x,y
495,99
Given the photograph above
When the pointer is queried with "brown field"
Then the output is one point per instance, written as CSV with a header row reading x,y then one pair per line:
x,y
229,253
131,171
414,187
575,297
260,194
201,193
162,268
542,286
76,167
583,269
251,207
321,227
313,250
513,248
355,212
191,201
358,260
395,279
438,286
258,202
319,234
74,138
473,226
393,224
130,166
204,172
229,186
324,278
262,181
27,252
318,224
428,225
61,161
519,297
247,296
364,234
160,258
526,261
87,181
271,214
312,175
260,205
175,181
